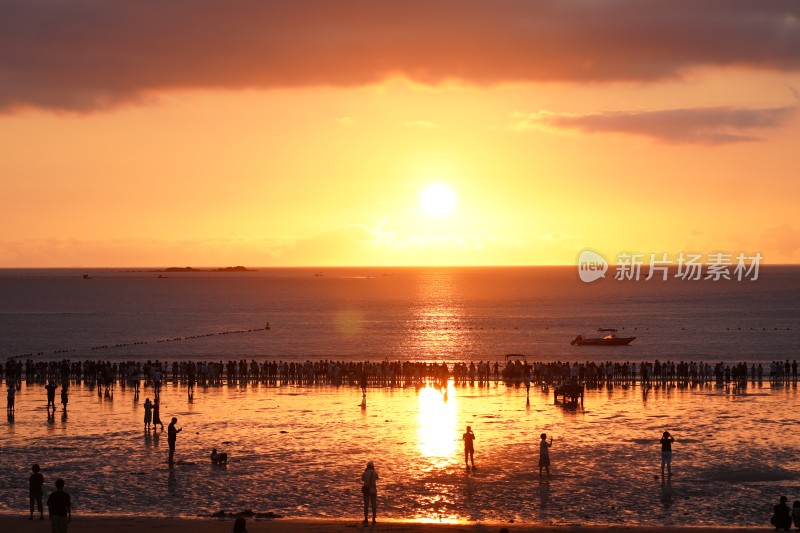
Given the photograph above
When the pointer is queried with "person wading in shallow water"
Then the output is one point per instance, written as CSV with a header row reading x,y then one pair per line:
x,y
370,491
35,484
666,453
544,454
469,448
172,436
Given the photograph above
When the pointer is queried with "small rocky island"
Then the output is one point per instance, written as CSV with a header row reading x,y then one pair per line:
x,y
191,269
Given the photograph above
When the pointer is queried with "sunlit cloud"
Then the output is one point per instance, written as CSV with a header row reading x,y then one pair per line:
x,y
89,55
707,125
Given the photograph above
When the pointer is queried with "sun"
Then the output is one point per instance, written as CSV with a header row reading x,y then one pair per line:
x,y
437,200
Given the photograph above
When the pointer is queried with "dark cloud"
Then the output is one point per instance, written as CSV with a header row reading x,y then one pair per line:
x,y
89,54
707,125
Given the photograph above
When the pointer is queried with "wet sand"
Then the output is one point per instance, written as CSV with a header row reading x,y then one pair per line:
x,y
20,524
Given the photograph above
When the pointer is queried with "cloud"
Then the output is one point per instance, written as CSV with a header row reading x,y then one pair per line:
x,y
85,55
704,125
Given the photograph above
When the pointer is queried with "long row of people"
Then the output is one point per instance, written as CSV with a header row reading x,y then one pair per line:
x,y
513,369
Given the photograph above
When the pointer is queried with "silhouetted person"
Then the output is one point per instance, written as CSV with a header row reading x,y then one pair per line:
x,y
35,484
157,415
544,454
796,513
59,508
148,413
51,394
172,436
240,525
666,453
782,516
363,383
11,394
219,458
64,398
469,449
370,490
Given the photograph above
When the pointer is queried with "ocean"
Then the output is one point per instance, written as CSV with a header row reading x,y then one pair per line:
x,y
299,450
395,313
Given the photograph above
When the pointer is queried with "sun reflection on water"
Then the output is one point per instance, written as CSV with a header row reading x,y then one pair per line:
x,y
437,431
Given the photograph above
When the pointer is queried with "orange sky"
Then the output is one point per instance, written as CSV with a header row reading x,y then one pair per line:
x,y
301,133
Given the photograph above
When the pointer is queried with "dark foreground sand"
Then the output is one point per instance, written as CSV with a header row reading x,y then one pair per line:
x,y
21,524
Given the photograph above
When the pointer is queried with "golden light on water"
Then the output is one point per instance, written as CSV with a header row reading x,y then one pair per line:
x,y
437,430
349,322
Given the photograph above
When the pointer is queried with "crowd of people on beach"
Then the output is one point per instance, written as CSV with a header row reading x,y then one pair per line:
x,y
106,374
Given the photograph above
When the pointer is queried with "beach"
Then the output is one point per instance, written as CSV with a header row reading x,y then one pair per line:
x,y
19,524
298,442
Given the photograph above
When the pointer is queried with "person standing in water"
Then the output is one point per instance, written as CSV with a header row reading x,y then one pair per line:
x,y
370,490
157,415
666,453
35,484
64,397
469,449
172,437
148,414
11,394
544,454
51,395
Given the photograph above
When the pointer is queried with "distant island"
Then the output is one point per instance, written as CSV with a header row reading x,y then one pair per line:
x,y
191,269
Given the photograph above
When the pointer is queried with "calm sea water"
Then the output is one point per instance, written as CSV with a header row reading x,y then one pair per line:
x,y
300,450
418,314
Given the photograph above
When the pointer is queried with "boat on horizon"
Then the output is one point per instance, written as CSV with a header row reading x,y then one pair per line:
x,y
608,339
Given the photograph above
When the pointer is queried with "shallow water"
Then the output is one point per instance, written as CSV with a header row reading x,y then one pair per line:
x,y
300,451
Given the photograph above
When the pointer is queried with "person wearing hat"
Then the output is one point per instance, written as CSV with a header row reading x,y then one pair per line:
x,y
370,491
469,449
782,516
